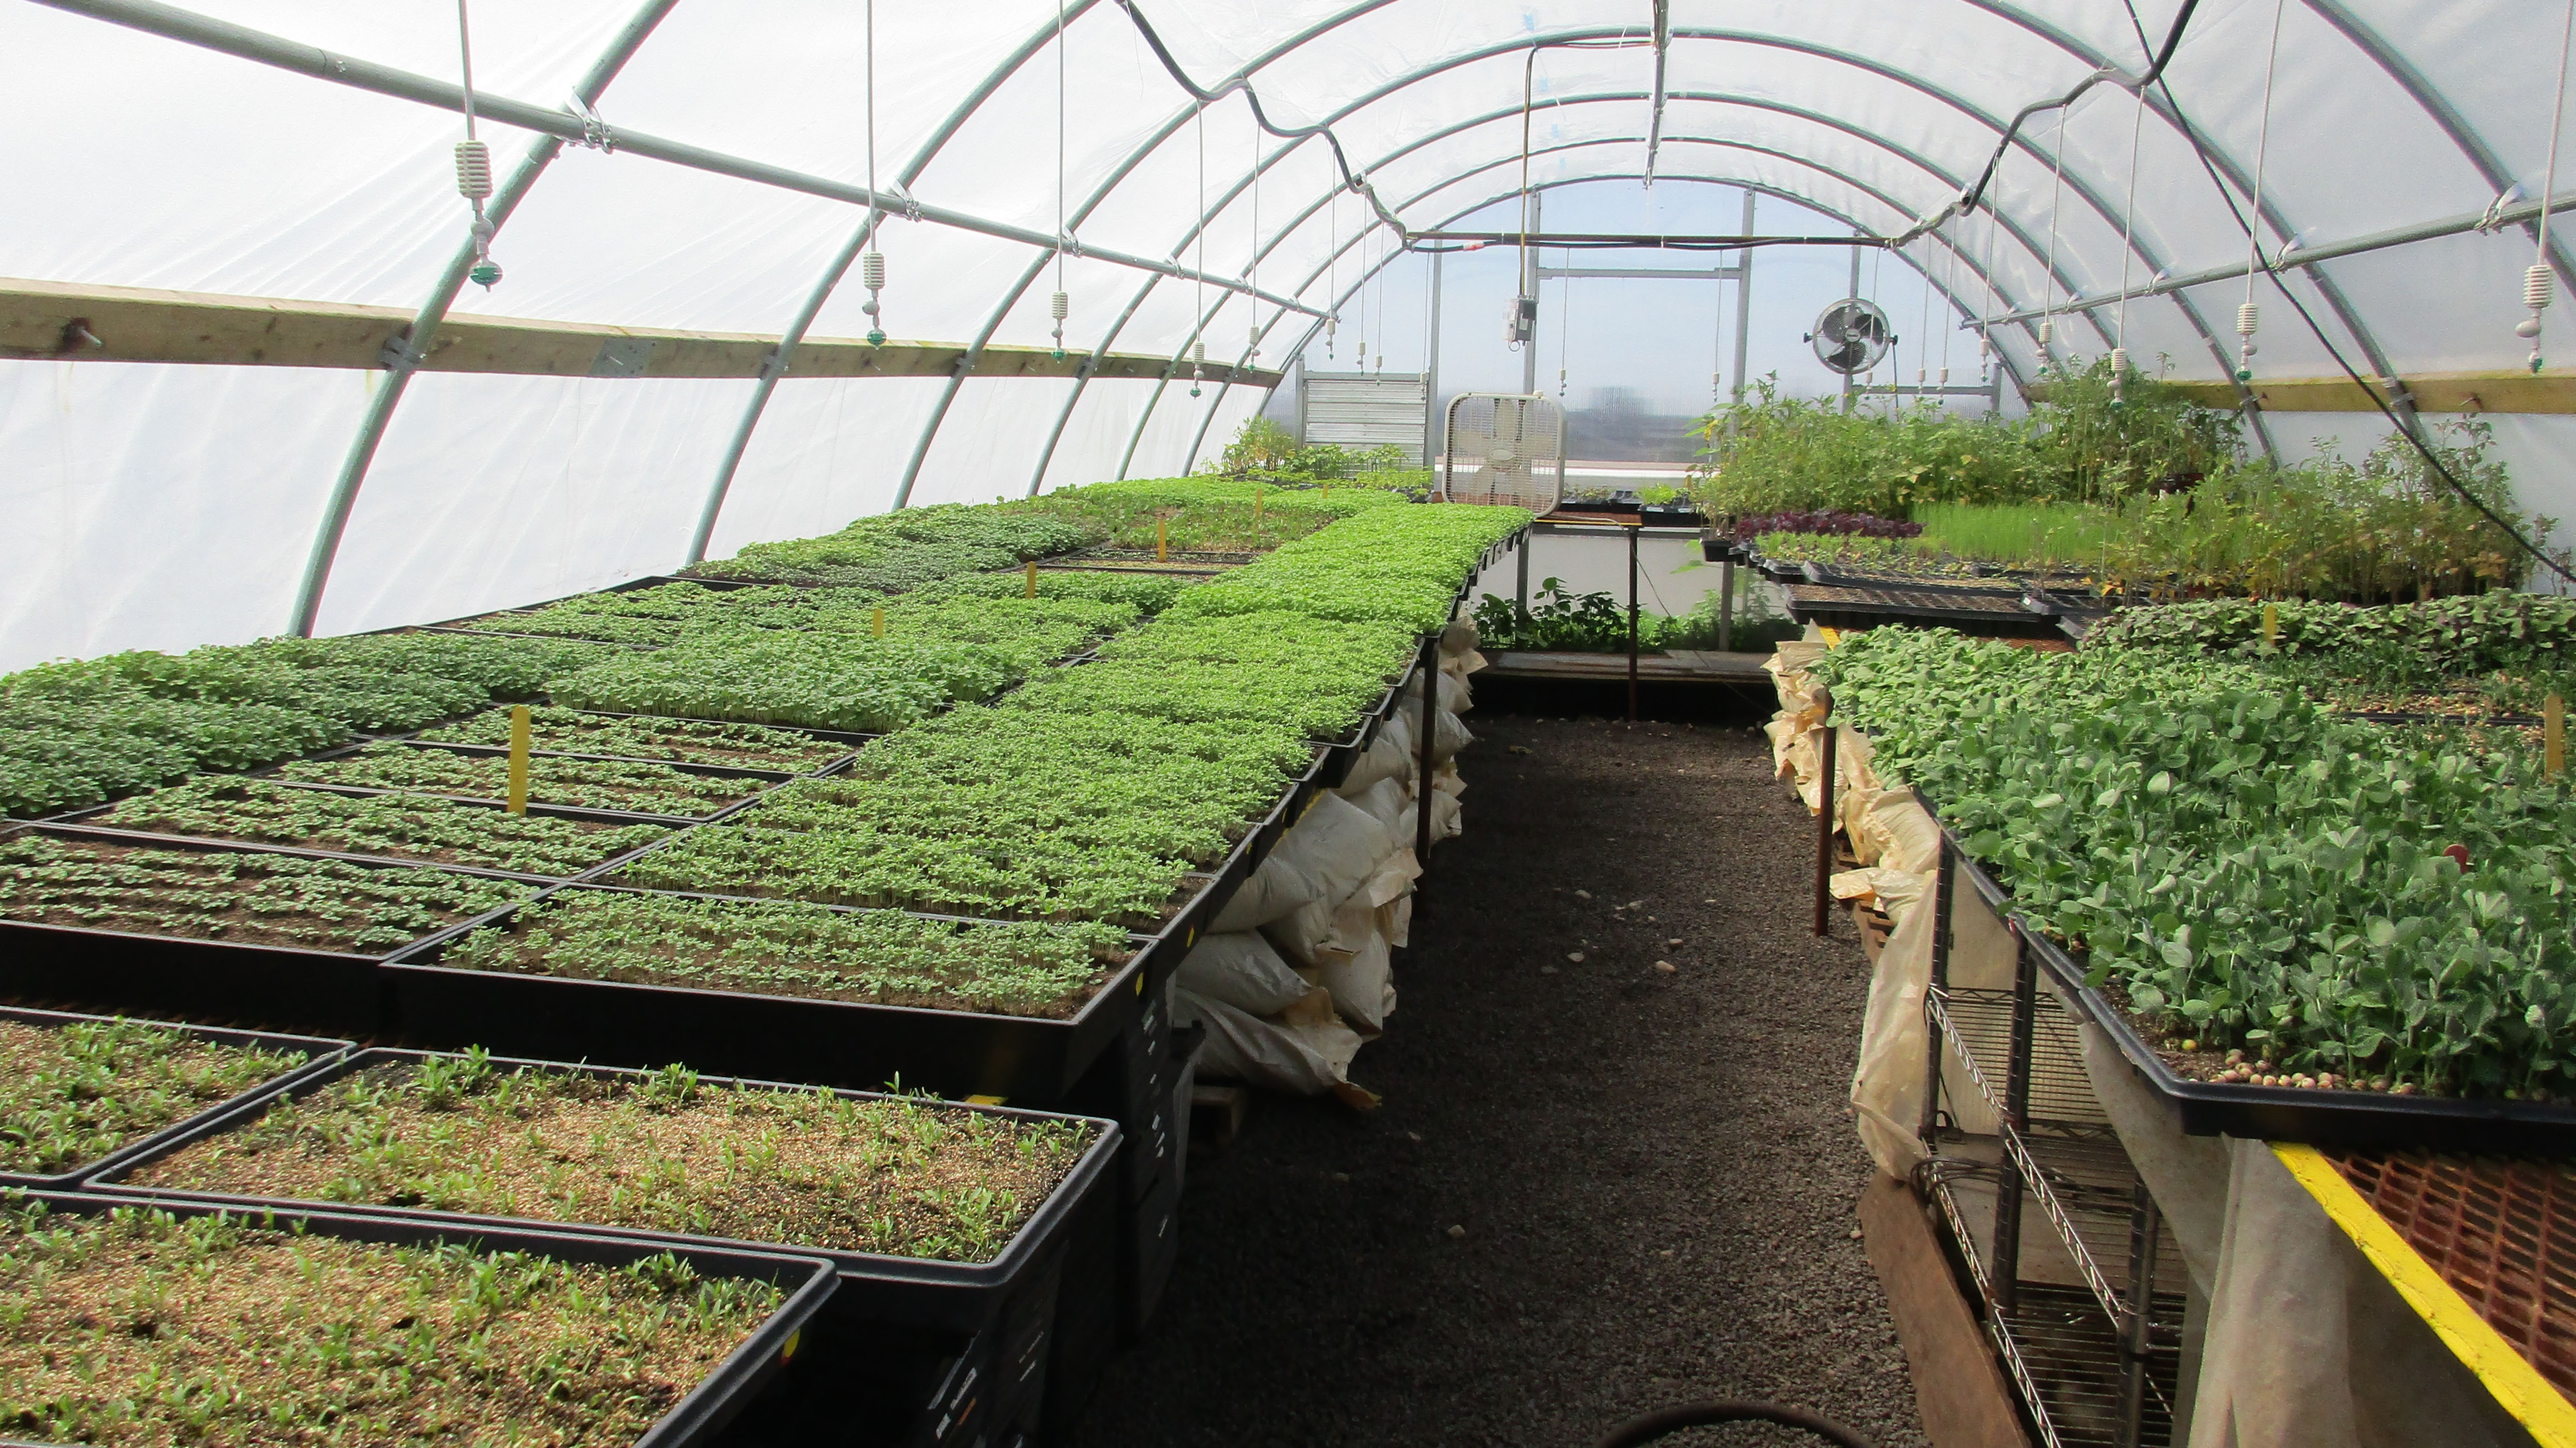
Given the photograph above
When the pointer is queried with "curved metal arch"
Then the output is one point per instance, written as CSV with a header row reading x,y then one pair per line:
x,y
1145,418
416,342
781,356
2002,359
2268,211
2010,227
1489,200
2435,103
1400,82
2082,189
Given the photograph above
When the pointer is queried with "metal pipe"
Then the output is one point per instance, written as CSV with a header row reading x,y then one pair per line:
x,y
1744,304
1633,530
1828,53
207,33
1825,822
1529,289
414,345
2005,1287
2309,256
1432,442
1428,736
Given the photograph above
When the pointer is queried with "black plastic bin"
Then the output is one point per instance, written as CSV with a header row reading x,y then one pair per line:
x,y
697,1418
960,1296
321,1054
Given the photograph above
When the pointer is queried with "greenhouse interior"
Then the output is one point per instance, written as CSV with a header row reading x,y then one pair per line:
x,y
735,723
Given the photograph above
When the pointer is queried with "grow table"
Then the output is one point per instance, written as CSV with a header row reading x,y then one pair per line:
x,y
806,1283
2273,1113
998,1315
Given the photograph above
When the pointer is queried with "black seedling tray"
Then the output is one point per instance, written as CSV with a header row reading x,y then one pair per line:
x,y
915,1291
291,987
2282,1113
324,1053
839,1043
74,828
696,1418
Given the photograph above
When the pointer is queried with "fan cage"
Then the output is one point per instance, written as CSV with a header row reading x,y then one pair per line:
x,y
1503,448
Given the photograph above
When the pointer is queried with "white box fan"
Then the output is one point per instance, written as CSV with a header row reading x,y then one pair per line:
x,y
1504,448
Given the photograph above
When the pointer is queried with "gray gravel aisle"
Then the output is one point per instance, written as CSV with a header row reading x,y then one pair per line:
x,y
1654,1172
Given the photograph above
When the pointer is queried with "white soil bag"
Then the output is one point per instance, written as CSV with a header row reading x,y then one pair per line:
x,y
1339,846
1240,969
1308,1060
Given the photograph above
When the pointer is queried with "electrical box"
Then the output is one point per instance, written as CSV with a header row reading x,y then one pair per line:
x,y
1522,323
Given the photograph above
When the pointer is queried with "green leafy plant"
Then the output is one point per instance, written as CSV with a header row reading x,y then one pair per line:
x,y
791,949
259,899
135,1327
1399,565
636,786
677,741
401,826
2247,871
75,1092
907,1176
74,734
893,552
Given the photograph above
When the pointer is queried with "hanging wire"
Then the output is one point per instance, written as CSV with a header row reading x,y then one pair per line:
x,y
2404,425
1923,345
1564,323
2128,231
1879,261
2249,316
1985,334
1198,343
1368,243
2540,281
1332,270
1381,304
474,164
1950,279
872,266
1061,304
2056,193
1253,302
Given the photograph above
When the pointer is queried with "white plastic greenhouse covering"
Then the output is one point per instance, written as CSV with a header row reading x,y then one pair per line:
x,y
300,149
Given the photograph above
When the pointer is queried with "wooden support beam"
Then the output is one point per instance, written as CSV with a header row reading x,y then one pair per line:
x,y
1959,1388
2433,392
72,322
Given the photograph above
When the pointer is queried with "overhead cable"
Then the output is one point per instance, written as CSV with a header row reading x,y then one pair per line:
x,y
2137,85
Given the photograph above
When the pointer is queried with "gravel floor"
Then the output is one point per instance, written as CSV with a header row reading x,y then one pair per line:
x,y
1596,1188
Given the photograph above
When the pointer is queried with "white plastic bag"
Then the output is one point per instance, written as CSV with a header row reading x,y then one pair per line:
x,y
1308,1060
1241,969
1279,886
1338,845
1358,966
1389,756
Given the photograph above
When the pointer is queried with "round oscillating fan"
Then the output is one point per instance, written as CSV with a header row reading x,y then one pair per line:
x,y
1852,336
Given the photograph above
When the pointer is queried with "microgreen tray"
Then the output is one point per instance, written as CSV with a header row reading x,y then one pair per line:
x,y
205,977
955,1052
320,1053
2284,1113
806,1282
916,1291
